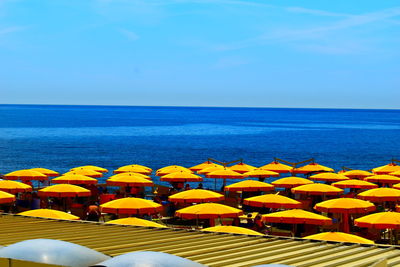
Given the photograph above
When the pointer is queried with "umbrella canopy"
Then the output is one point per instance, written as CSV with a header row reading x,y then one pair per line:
x,y
224,174
290,182
47,172
74,179
272,201
128,180
296,216
138,165
212,168
6,197
131,174
196,196
170,169
357,174
48,213
275,166
249,186
328,177
389,168
380,194
85,172
340,237
131,168
317,189
131,205
242,167
380,220
208,211
260,173
90,167
14,186
203,165
181,176
353,183
231,230
383,178
312,167
64,190
396,173
25,175
345,205
136,222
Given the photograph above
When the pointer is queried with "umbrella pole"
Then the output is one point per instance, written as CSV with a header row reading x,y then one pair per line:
x,y
346,227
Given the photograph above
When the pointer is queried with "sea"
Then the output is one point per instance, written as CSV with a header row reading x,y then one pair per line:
x,y
61,137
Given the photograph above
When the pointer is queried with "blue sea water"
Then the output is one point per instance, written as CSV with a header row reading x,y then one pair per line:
x,y
62,137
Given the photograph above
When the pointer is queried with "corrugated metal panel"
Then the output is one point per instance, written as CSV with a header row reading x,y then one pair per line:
x,y
207,248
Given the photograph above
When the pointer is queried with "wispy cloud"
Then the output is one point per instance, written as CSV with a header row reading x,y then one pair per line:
x,y
129,34
316,12
11,29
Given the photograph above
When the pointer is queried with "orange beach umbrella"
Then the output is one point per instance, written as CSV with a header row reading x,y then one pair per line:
x,y
208,211
260,173
196,196
6,197
181,176
85,172
224,174
290,182
74,179
272,201
25,175
340,237
345,205
170,169
380,194
14,187
231,230
380,220
131,168
278,167
47,172
296,216
90,167
64,190
138,165
389,168
317,189
131,205
328,177
383,178
129,180
249,186
242,167
353,183
312,167
210,168
130,174
357,174
136,222
48,213
203,165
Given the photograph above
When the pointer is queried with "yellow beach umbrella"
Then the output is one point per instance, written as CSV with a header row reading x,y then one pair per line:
x,y
181,176
242,167
136,169
312,167
170,169
345,205
136,222
90,167
138,165
357,174
380,194
208,211
275,166
131,205
85,172
340,237
290,182
129,180
131,174
383,178
14,187
260,173
328,177
25,175
317,189
249,186
224,174
380,220
74,179
389,168
272,201
47,172
353,183
203,165
296,216
48,213
196,196
6,197
212,168
231,230
64,190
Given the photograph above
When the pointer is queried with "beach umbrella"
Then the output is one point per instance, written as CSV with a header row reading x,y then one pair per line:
x,y
25,175
208,211
383,179
357,174
345,206
380,194
249,186
47,172
389,168
170,169
6,197
312,167
231,230
328,177
130,174
272,201
203,165
138,165
353,183
212,168
136,169
339,237
290,182
64,190
90,167
48,213
317,189
129,180
224,174
85,172
242,167
136,222
275,166
74,179
396,173
260,174
131,205
296,216
181,176
380,220
14,187
196,196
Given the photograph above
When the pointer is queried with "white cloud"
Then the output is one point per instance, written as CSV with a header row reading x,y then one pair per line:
x,y
129,34
11,29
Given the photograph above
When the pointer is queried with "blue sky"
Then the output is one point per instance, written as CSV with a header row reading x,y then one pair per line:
x,y
343,54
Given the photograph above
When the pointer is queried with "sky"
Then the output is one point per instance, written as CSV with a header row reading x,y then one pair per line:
x,y
313,54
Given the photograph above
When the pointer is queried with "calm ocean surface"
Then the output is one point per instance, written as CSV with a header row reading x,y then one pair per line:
x,y
62,137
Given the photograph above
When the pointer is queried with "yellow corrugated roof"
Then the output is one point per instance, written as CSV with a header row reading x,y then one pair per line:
x,y
212,249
